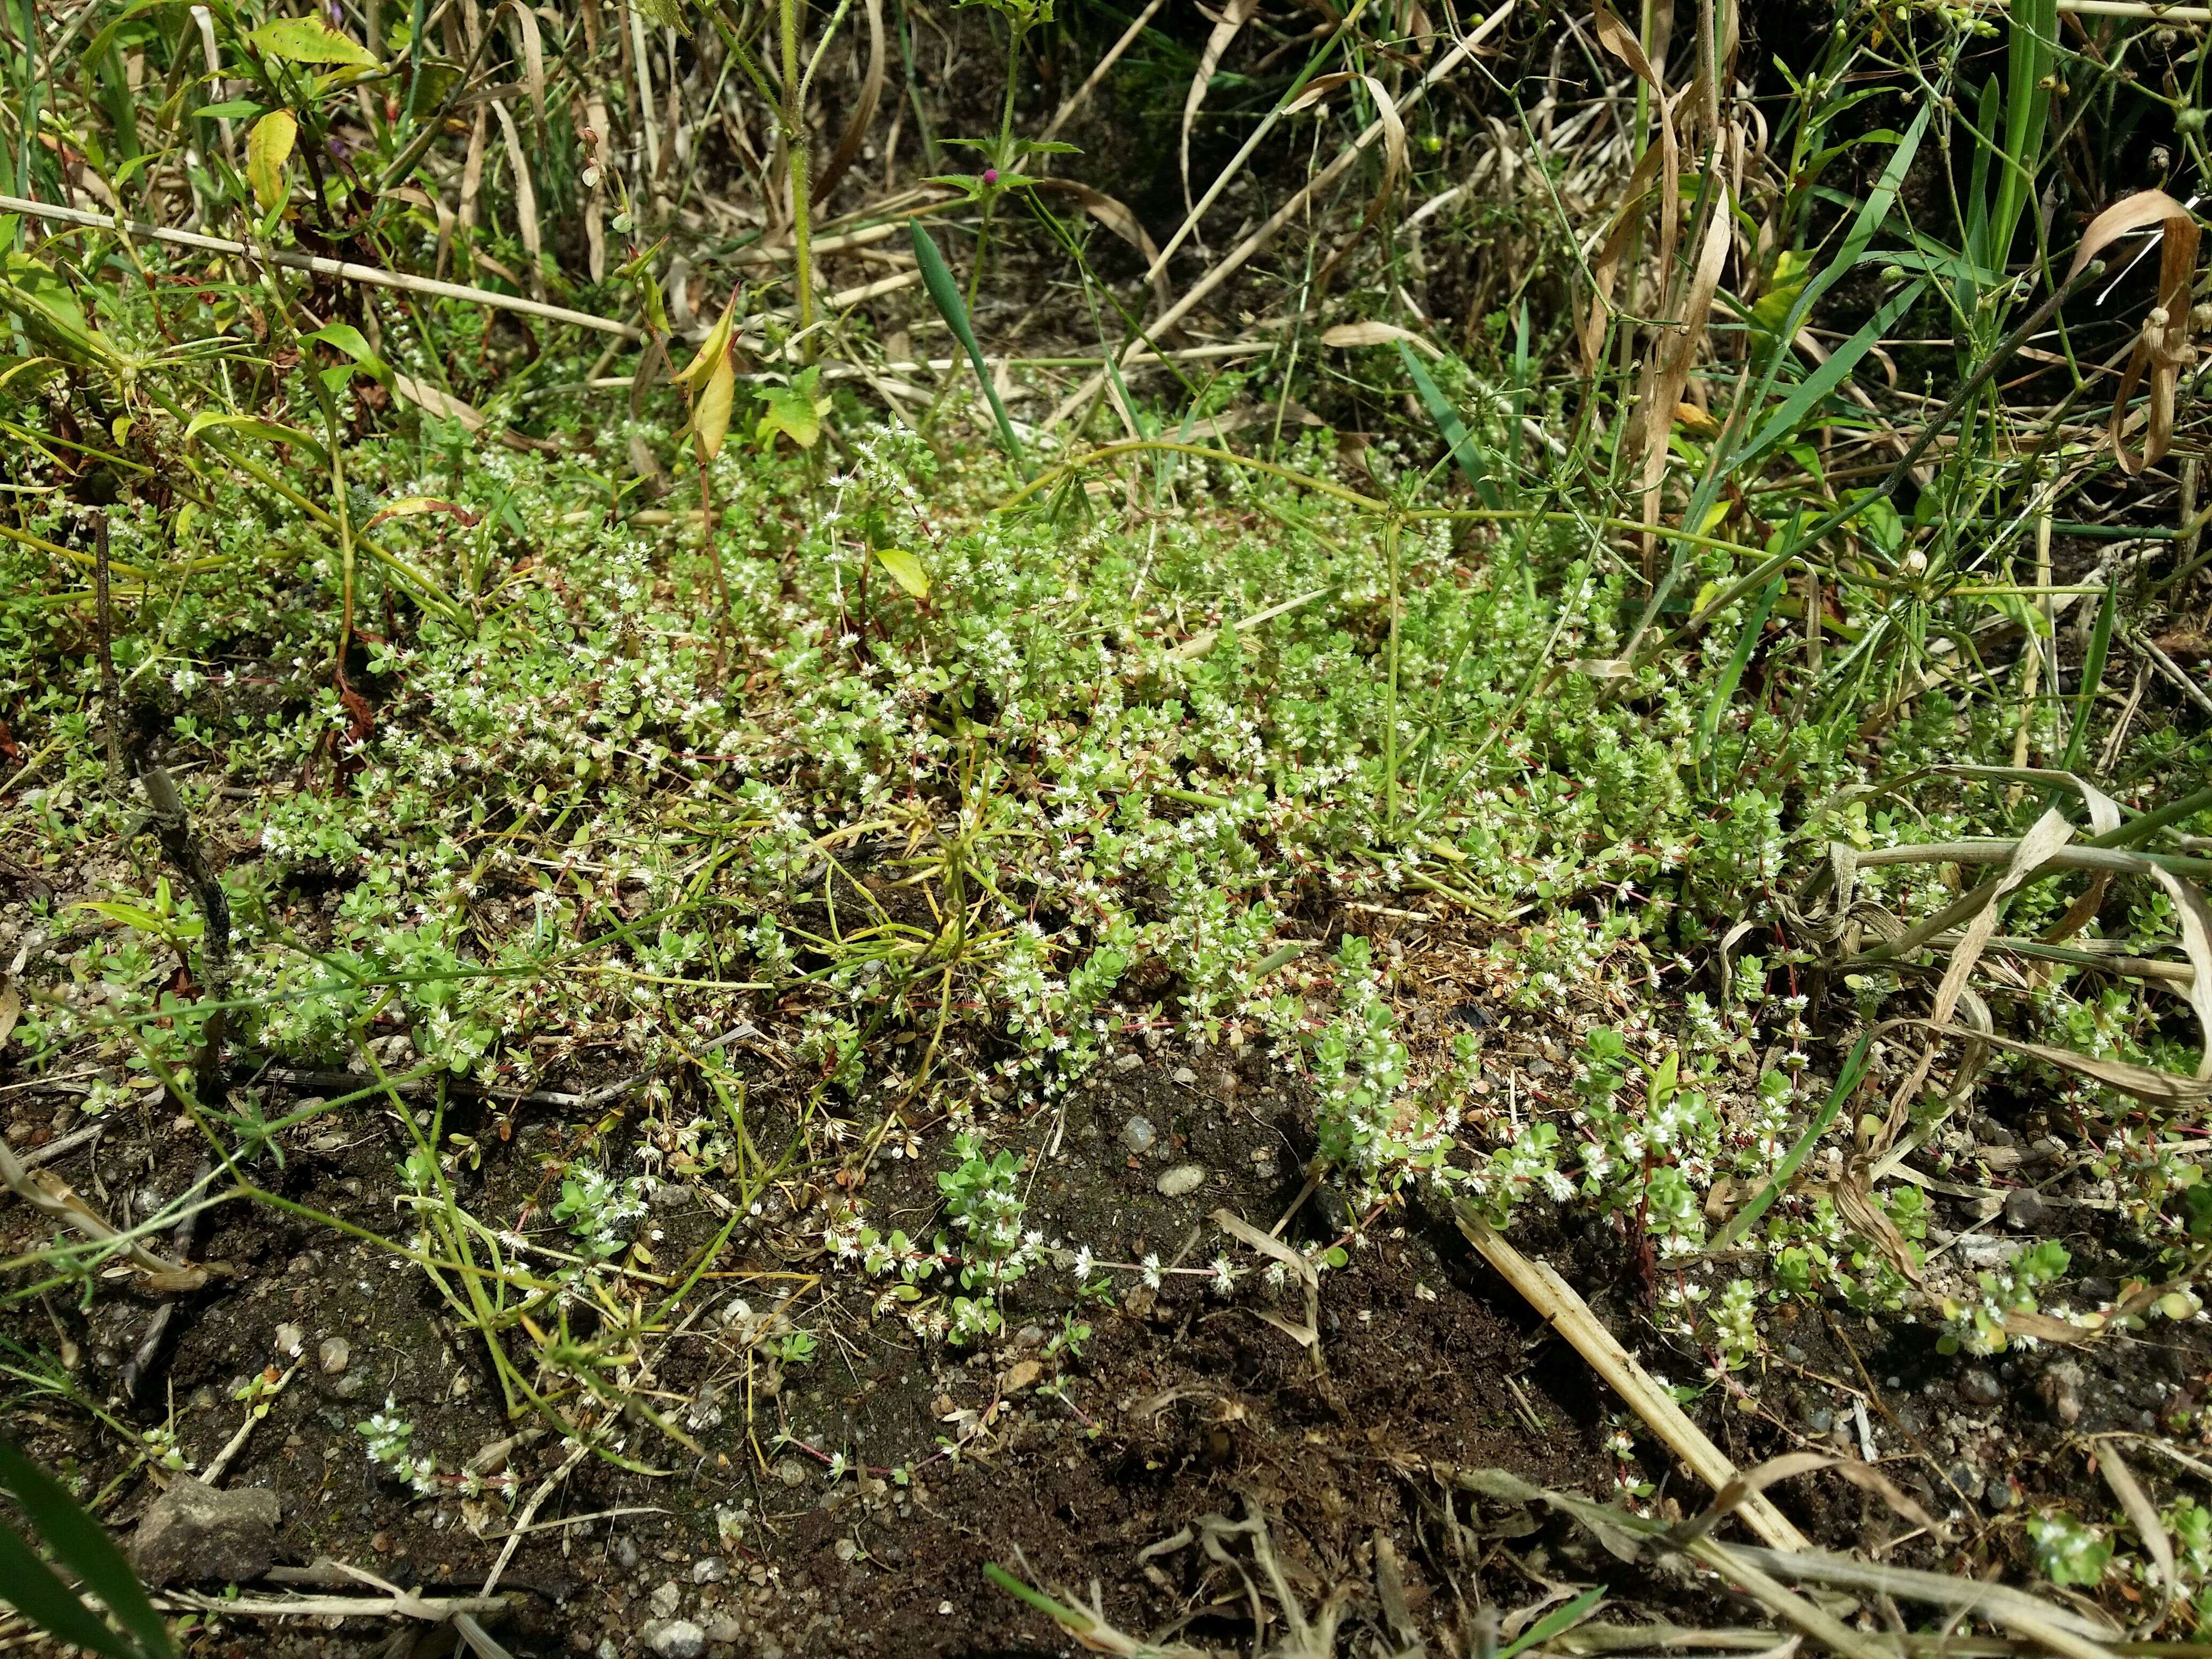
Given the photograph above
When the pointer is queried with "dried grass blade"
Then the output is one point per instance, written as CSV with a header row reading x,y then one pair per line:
x,y
2145,1082
864,109
1862,1475
1116,217
2195,922
533,56
2046,836
2144,1514
525,198
1234,16
1227,266
1567,1313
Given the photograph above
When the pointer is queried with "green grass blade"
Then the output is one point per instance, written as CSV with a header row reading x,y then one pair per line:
x,y
1557,1622
2093,675
937,277
1463,450
2031,59
1724,687
1848,1080
1814,389
35,1592
82,1545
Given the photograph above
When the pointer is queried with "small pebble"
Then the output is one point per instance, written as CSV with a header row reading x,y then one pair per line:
x,y
1183,1074
790,1472
1138,1135
666,1599
846,1549
290,1339
2060,1385
679,1638
1183,1179
725,1627
709,1570
336,1353
626,1553
1978,1387
2024,1208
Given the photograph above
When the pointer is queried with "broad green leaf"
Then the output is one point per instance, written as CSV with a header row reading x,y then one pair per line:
x,y
1792,271
1557,1622
81,1544
267,147
795,410
46,293
344,336
49,1604
308,40
235,109
1724,687
905,569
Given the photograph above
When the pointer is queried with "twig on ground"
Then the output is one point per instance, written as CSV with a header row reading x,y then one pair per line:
x,y
1568,1314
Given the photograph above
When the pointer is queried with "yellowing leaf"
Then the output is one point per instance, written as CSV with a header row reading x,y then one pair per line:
x,y
308,40
713,349
905,569
266,149
710,418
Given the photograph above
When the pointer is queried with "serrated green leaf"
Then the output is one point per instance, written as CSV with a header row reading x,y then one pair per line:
x,y
905,569
308,40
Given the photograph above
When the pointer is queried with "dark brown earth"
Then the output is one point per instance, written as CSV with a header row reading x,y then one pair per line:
x,y
1064,1463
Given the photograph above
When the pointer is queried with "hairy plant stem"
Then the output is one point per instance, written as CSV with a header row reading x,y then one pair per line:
x,y
1390,538
797,161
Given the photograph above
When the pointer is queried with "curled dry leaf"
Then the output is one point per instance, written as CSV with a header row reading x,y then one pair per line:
x,y
2163,349
1370,334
